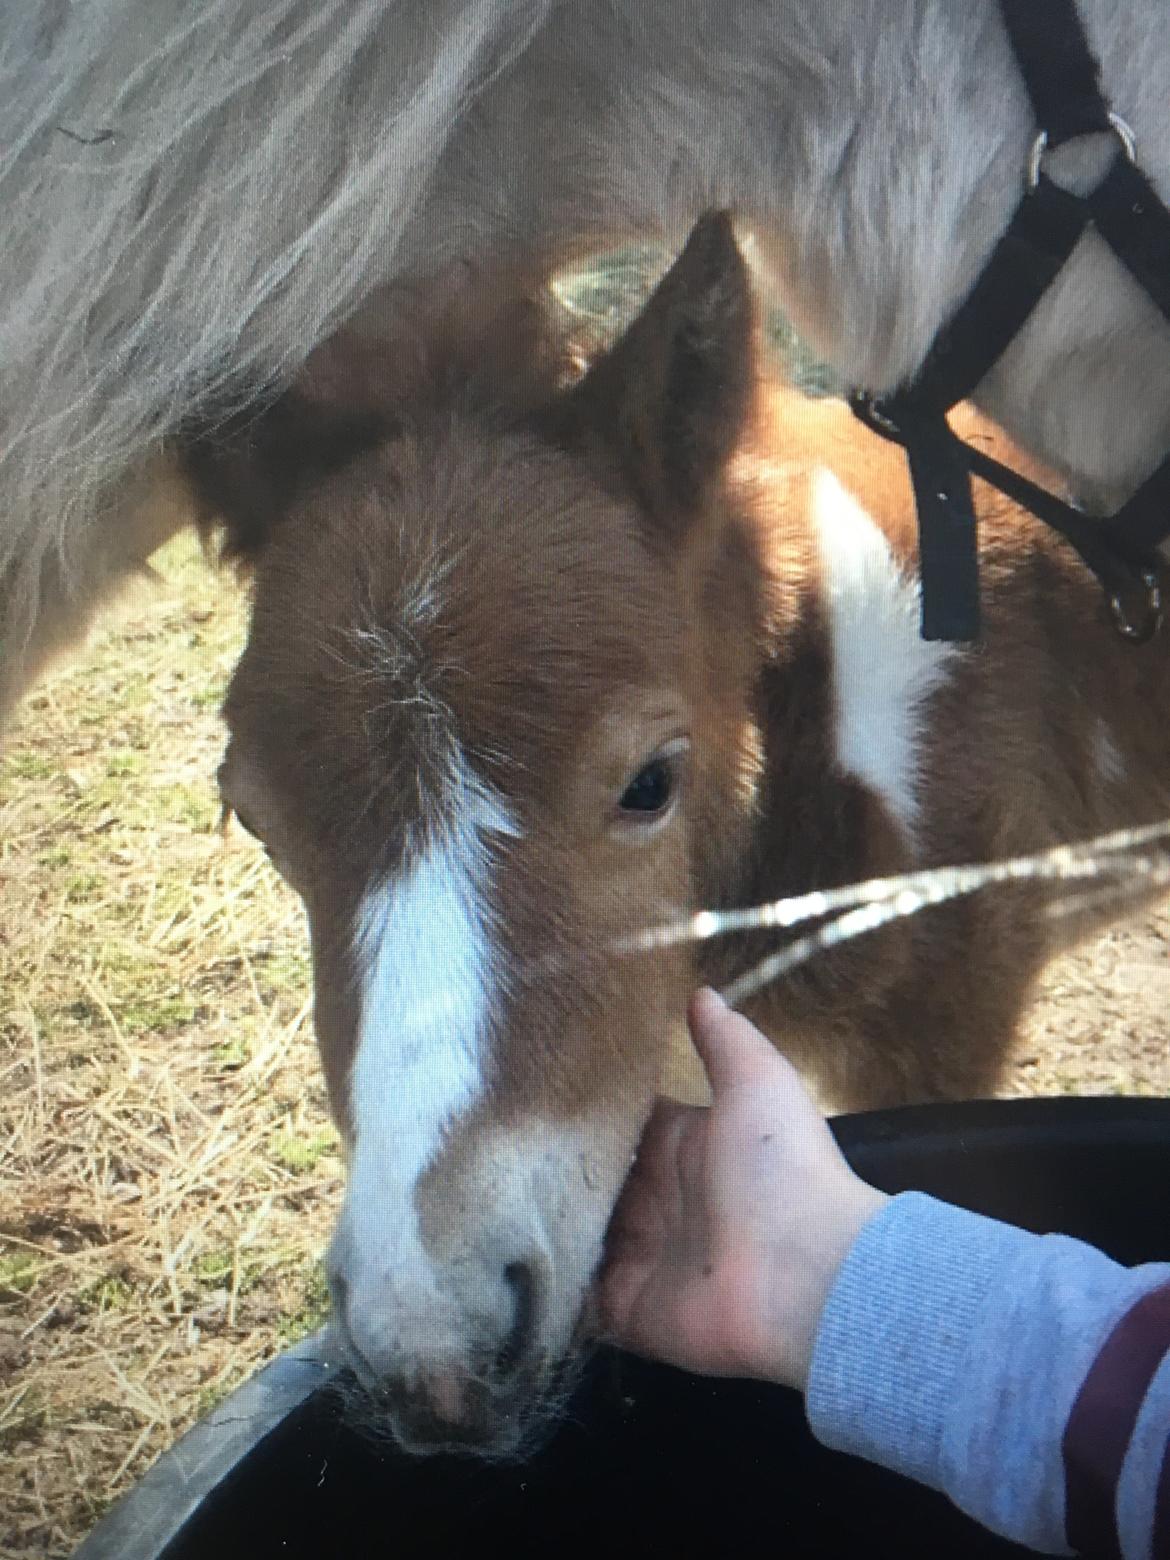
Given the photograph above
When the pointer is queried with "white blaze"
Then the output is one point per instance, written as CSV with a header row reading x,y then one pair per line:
x,y
883,670
428,979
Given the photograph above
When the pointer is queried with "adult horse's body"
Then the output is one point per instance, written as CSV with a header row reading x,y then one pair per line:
x,y
536,664
193,201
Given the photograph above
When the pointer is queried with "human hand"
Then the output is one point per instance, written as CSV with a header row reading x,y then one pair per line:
x,y
735,1218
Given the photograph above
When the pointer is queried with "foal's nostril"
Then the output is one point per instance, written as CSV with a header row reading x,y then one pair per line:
x,y
520,1280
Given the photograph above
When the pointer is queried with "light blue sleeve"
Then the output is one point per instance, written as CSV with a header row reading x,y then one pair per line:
x,y
952,1348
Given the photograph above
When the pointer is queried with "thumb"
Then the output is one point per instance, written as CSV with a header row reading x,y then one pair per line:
x,y
731,1047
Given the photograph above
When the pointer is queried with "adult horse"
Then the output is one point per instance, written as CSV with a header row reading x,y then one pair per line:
x,y
194,200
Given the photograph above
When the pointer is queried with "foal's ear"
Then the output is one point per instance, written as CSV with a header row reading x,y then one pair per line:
x,y
246,468
674,392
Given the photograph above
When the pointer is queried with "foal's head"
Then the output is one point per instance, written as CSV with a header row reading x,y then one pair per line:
x,y
490,722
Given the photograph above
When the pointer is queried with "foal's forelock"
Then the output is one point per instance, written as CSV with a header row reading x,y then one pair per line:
x,y
428,971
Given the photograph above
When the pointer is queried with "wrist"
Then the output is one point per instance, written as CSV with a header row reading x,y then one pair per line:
x,y
805,1269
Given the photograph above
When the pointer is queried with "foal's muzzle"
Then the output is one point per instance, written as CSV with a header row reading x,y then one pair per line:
x,y
479,1401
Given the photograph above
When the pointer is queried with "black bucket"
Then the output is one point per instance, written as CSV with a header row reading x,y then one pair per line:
x,y
650,1460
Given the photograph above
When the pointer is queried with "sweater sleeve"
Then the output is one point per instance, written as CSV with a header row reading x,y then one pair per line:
x,y
955,1350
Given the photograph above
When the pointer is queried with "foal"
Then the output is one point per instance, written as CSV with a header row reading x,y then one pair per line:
x,y
536,663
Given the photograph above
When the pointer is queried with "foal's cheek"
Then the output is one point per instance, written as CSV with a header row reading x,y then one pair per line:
x,y
336,1066
335,1019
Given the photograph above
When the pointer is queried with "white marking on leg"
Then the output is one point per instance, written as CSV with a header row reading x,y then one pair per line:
x,y
428,982
884,671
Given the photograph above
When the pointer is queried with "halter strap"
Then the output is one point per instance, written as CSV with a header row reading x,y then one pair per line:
x,y
1060,73
1131,585
1061,77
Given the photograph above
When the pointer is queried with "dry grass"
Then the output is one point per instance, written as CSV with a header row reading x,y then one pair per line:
x,y
168,1173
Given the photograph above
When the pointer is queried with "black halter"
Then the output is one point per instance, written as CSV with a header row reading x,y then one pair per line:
x,y
1061,77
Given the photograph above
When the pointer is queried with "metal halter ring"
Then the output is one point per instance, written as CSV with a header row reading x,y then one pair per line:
x,y
871,409
1040,145
1141,630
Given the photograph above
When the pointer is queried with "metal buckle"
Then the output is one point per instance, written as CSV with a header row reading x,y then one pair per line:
x,y
872,411
1141,630
1040,145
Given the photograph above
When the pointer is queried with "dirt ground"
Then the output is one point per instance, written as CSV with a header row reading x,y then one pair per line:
x,y
1101,1023
168,1173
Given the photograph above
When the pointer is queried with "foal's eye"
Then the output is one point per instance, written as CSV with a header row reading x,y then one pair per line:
x,y
650,789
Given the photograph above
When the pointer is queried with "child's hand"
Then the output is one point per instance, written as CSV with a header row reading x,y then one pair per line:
x,y
735,1219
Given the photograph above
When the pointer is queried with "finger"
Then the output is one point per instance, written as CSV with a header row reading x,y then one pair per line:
x,y
621,1282
665,1113
649,1198
656,1158
637,1223
654,1196
729,1045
